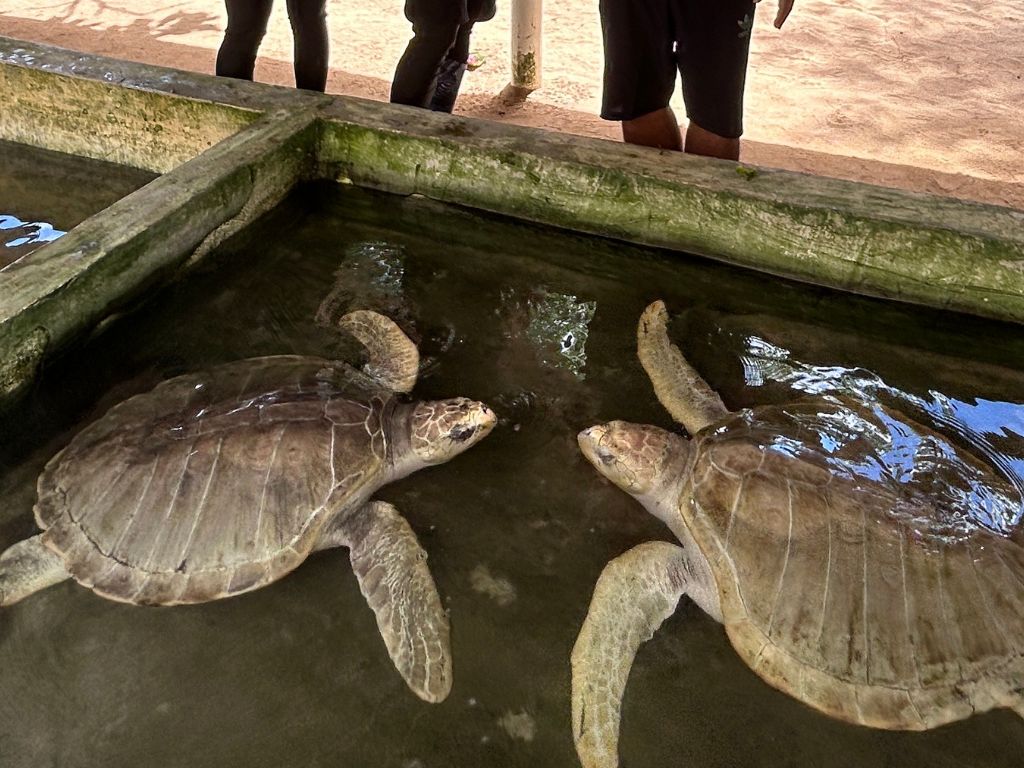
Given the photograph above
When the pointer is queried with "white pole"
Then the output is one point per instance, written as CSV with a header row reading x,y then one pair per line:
x,y
526,45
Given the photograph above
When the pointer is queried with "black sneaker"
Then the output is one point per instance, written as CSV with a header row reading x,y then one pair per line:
x,y
449,79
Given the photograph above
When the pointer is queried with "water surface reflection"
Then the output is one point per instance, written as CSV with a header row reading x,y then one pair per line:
x,y
43,194
905,454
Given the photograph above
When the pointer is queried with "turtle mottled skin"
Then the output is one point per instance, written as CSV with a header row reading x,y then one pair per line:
x,y
857,581
220,482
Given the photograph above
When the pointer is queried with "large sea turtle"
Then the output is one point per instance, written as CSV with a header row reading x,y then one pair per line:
x,y
857,581
220,482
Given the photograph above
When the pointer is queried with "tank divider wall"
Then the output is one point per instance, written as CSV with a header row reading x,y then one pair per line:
x,y
106,264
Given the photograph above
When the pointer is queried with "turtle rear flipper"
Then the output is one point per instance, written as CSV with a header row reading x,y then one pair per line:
x,y
391,567
394,359
637,591
26,568
685,395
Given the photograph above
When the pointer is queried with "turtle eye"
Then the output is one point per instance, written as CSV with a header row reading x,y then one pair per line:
x,y
606,458
459,434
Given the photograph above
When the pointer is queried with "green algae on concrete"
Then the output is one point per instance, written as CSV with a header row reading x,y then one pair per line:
x,y
913,247
132,114
871,240
107,263
525,74
856,237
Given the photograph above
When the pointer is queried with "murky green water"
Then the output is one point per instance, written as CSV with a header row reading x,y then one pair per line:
x,y
542,327
43,194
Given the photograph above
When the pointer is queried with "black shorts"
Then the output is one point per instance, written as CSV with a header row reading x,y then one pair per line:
x,y
646,41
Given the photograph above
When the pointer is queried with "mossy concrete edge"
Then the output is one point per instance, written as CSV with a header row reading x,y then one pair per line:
x,y
856,237
108,262
132,114
888,243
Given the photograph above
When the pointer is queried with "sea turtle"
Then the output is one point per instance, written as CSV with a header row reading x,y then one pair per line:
x,y
220,482
868,591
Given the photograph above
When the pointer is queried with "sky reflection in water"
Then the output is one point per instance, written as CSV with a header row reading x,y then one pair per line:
x,y
879,444
372,273
23,236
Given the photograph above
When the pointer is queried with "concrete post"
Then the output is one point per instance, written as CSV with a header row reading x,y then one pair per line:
x,y
526,46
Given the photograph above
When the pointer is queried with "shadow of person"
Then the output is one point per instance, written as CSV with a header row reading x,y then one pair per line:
x,y
184,23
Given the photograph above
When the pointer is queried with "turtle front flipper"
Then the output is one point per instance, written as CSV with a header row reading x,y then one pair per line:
x,y
26,568
391,567
686,396
394,359
637,591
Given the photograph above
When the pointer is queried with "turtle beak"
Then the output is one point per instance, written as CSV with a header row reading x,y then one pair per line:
x,y
480,420
613,450
590,444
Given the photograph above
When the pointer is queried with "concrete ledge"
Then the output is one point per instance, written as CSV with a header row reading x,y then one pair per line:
x,y
871,240
106,263
230,150
126,113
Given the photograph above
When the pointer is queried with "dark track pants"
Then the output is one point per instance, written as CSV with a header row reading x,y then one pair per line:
x,y
432,51
430,71
247,24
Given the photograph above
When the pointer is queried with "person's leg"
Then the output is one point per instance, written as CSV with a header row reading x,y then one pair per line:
x,y
247,23
700,141
714,41
309,28
640,71
449,74
416,73
655,129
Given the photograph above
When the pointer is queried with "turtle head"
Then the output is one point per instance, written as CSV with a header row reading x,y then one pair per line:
x,y
442,429
642,460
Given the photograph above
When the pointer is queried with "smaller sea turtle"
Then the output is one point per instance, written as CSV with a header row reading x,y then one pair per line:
x,y
858,578
220,482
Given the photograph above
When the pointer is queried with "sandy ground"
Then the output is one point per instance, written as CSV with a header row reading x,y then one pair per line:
x,y
919,96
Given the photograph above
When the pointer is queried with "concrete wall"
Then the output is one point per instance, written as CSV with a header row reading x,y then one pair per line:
x,y
228,152
231,150
872,240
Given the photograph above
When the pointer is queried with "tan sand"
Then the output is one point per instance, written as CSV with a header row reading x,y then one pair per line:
x,y
919,96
